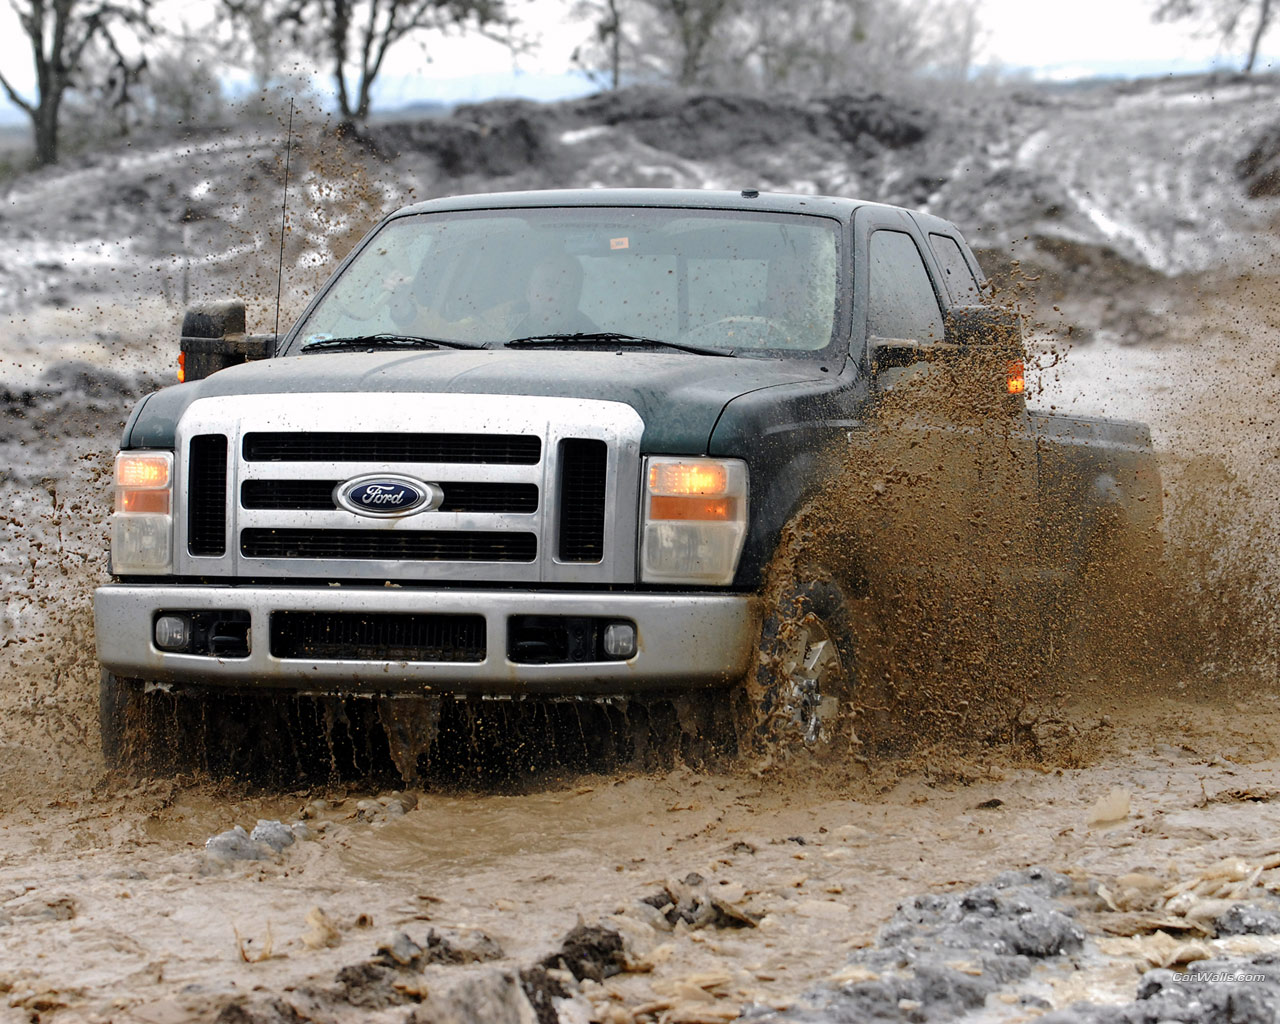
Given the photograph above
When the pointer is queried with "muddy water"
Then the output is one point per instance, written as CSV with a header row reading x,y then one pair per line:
x,y
111,905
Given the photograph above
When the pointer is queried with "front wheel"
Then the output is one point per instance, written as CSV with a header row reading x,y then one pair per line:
x,y
156,729
120,715
804,680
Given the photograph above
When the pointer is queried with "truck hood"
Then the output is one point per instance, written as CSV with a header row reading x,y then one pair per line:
x,y
679,396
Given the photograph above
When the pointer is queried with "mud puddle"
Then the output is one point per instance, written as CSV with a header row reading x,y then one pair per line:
x,y
110,908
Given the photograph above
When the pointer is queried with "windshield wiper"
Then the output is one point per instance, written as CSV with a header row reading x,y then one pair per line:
x,y
372,341
610,339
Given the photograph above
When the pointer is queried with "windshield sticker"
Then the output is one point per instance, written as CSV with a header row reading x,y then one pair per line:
x,y
619,243
318,337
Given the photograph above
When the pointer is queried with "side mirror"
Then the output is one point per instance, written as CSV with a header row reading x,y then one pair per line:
x,y
994,326
213,338
992,333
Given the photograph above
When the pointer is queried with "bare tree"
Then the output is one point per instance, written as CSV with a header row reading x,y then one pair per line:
x,y
351,38
684,38
808,46
603,52
64,35
1227,18
824,45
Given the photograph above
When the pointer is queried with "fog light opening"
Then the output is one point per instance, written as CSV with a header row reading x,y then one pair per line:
x,y
173,632
620,640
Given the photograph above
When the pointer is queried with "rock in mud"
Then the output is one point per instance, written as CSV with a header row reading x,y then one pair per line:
x,y
493,996
271,1011
691,902
373,986
236,844
1229,991
440,947
321,931
274,834
942,954
589,951
1248,919
401,951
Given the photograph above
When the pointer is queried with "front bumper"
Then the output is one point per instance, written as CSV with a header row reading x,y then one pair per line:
x,y
685,641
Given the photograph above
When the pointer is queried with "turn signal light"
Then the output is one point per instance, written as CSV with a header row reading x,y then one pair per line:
x,y
156,501
142,470
1015,377
687,478
182,367
705,509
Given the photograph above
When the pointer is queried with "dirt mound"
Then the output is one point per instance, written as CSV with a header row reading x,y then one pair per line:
x,y
495,139
1259,169
510,137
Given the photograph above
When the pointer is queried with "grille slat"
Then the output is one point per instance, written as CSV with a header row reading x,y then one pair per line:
x,y
499,449
207,496
391,545
378,636
309,495
583,463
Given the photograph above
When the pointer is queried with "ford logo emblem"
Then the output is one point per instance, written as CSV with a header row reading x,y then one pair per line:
x,y
387,495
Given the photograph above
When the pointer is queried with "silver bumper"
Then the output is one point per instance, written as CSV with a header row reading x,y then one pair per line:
x,y
685,641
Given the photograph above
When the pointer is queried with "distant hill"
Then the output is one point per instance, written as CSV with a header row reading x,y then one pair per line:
x,y
1119,182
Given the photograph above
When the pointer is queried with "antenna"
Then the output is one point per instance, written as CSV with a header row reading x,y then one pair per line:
x,y
284,206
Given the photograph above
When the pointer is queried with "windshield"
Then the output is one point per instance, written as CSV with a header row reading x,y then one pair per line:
x,y
706,279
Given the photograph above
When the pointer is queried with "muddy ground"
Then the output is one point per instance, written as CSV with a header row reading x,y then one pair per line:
x,y
1127,827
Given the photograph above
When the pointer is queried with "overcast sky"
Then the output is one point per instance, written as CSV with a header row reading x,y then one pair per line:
x,y
1054,38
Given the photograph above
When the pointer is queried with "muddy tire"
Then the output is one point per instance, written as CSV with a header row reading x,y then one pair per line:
x,y
805,673
119,705
161,732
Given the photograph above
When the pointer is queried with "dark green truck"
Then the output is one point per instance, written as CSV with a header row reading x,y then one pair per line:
x,y
539,443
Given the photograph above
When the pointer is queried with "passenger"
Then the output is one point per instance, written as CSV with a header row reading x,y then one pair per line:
x,y
788,303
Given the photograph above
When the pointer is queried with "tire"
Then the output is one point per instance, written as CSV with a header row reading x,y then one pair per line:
x,y
804,679
159,732
120,720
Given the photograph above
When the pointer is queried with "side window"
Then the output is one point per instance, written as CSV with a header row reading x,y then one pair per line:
x,y
961,283
902,301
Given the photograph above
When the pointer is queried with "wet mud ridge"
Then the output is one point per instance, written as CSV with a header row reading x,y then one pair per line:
x,y
944,955
982,954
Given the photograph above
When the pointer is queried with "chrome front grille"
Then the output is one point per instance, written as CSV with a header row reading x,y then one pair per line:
x,y
329,446
397,545
534,489
207,504
458,497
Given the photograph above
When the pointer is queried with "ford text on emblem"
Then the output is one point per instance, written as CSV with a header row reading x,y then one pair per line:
x,y
386,495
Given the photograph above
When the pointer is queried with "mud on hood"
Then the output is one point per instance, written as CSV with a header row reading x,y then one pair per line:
x,y
678,396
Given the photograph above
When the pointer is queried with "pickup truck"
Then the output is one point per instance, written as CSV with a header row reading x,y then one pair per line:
x,y
544,444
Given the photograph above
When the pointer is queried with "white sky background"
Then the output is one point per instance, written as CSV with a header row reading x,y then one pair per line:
x,y
1052,38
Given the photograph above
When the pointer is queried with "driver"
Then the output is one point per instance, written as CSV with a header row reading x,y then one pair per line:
x,y
551,298
548,304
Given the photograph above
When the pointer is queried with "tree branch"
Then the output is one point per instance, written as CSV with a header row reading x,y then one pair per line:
x,y
14,97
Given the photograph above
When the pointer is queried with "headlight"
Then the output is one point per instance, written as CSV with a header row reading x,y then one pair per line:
x,y
142,525
694,520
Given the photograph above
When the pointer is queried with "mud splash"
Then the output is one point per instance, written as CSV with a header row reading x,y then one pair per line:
x,y
978,612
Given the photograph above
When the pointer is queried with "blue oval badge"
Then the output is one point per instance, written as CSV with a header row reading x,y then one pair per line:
x,y
387,495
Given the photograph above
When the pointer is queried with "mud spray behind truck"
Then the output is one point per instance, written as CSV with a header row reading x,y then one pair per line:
x,y
544,445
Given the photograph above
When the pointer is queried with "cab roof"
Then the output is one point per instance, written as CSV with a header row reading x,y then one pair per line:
x,y
702,199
